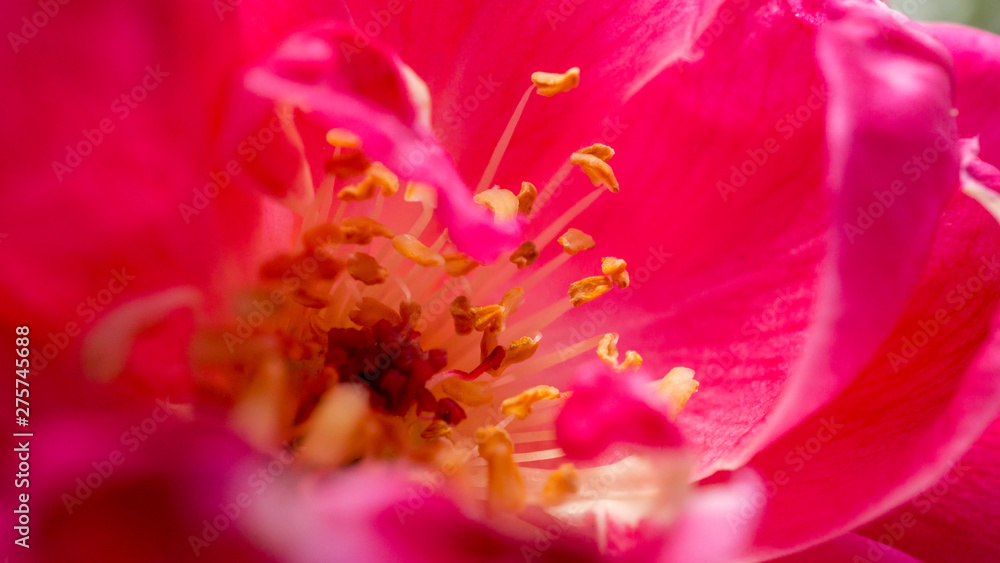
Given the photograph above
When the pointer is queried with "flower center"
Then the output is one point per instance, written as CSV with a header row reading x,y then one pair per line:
x,y
374,336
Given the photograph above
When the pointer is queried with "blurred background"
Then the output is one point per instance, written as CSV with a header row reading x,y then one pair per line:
x,y
979,13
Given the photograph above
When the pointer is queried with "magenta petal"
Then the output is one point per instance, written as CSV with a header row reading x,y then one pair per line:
x,y
607,409
892,144
724,253
718,523
477,59
933,386
849,547
365,91
955,519
102,177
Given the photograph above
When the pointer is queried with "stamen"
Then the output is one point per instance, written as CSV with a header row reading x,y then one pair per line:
x,y
607,350
420,192
561,484
549,83
559,224
436,429
588,289
370,311
378,177
575,241
332,431
615,269
342,138
596,169
521,405
501,148
409,311
409,247
364,268
603,152
361,230
505,485
525,255
461,311
676,388
457,265
519,351
469,393
503,203
526,198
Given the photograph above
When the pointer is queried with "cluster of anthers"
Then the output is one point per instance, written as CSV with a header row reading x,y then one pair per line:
x,y
365,341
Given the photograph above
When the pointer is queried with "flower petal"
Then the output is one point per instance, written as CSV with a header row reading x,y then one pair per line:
x,y
368,92
105,180
954,520
606,409
894,163
848,547
477,60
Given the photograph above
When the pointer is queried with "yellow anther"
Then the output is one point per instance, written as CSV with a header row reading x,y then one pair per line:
x,y
457,265
342,138
633,361
589,289
550,83
603,152
676,388
358,192
361,230
614,268
409,311
378,177
370,311
596,169
468,393
461,311
322,235
364,268
521,404
510,303
505,485
519,350
525,255
421,192
384,178
561,484
607,350
409,247
436,429
503,203
333,434
488,317
575,240
526,198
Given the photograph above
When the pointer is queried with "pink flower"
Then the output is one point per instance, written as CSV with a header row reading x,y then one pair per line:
x,y
206,203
